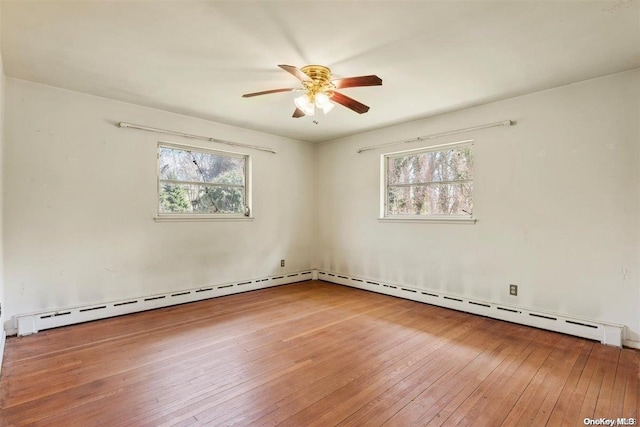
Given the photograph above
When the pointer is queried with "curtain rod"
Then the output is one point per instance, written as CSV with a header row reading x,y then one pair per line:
x,y
438,135
187,135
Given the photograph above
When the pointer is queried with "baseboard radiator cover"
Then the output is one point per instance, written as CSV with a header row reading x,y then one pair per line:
x,y
606,333
27,324
3,338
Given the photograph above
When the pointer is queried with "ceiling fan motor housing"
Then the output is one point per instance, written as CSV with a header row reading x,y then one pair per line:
x,y
321,79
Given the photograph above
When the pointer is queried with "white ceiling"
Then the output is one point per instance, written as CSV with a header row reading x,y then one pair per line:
x,y
199,57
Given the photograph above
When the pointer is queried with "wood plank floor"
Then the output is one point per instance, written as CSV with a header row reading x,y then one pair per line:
x,y
312,354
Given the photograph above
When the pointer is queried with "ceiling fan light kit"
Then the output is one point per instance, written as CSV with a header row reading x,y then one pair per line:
x,y
319,90
308,103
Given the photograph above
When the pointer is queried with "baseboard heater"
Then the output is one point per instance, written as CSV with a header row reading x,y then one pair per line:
x,y
27,324
606,333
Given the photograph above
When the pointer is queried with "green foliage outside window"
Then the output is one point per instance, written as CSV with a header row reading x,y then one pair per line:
x,y
199,182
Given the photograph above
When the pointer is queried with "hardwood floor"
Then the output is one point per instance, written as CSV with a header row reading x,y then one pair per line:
x,y
312,354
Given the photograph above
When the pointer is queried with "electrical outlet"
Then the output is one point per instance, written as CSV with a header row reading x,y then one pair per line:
x,y
281,263
513,290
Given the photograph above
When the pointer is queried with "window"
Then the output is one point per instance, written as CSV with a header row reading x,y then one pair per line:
x,y
433,183
195,182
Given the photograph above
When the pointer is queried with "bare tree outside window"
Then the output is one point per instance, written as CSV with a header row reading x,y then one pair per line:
x,y
193,181
436,182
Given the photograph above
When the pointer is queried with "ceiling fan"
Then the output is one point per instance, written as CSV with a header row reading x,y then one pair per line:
x,y
319,90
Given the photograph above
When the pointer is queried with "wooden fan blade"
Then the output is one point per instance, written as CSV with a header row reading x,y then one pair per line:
x,y
371,80
266,92
298,113
296,72
350,103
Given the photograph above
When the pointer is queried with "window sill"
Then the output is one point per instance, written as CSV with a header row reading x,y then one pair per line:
x,y
199,218
431,219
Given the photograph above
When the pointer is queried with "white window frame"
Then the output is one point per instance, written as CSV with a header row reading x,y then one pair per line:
x,y
384,190
171,217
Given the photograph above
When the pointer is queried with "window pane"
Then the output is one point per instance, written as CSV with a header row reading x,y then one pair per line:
x,y
433,199
185,165
202,199
433,166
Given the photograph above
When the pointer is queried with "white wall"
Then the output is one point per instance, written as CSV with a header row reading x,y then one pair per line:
x,y
557,199
80,197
